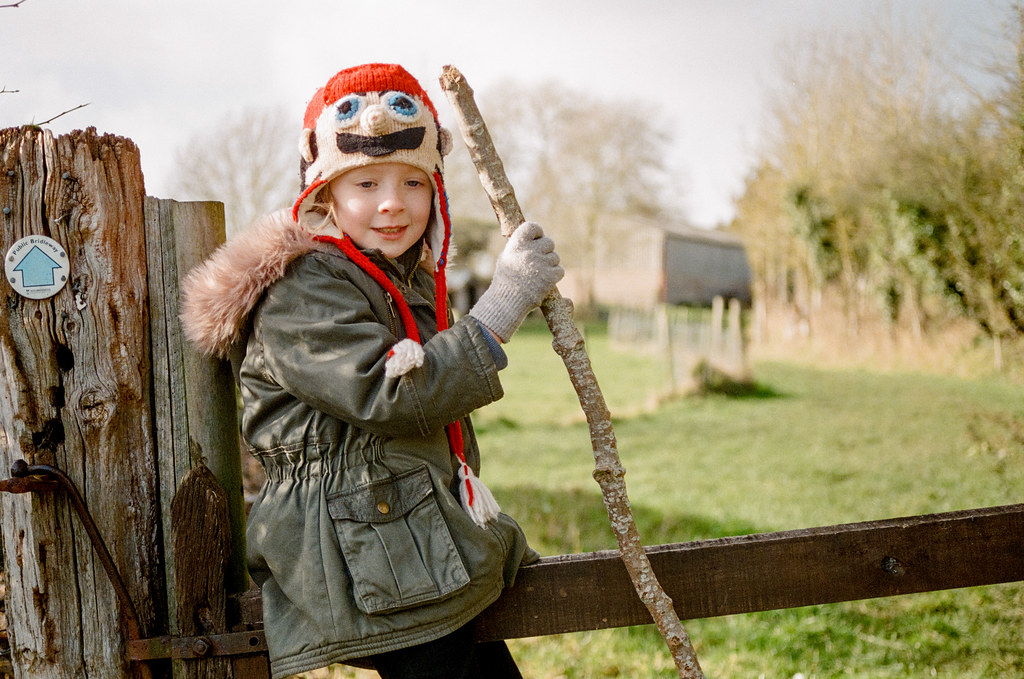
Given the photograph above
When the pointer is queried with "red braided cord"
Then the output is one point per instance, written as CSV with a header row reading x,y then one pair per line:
x,y
441,311
348,247
454,430
440,282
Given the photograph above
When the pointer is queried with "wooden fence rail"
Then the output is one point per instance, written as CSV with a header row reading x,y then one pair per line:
x,y
763,572
750,573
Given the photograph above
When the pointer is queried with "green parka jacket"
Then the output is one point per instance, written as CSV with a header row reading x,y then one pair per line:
x,y
357,538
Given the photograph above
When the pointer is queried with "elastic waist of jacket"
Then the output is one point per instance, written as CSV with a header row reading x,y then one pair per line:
x,y
315,461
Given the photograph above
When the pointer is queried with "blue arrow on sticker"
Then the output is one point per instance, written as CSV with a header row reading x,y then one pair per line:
x,y
36,268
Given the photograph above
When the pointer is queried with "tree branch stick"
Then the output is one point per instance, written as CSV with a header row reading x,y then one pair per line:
x,y
46,122
568,343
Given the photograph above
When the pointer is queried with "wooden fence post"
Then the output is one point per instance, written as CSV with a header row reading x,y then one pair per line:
x,y
75,394
714,355
195,403
736,351
202,543
195,412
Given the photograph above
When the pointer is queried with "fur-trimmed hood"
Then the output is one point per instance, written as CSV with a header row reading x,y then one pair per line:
x,y
220,293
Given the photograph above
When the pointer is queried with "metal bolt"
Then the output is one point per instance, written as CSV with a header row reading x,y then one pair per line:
x,y
19,469
10,173
7,210
200,647
66,175
892,566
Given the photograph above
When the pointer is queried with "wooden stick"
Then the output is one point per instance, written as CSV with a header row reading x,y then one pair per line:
x,y
568,343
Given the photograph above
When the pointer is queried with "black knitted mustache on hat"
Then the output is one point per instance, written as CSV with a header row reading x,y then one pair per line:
x,y
407,139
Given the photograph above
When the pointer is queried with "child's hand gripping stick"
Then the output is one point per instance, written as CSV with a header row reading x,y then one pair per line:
x,y
526,271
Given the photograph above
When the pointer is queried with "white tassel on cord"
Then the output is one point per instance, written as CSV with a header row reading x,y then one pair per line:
x,y
483,507
403,357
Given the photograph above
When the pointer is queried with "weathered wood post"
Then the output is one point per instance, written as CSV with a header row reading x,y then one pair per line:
x,y
75,394
195,414
196,427
202,538
95,381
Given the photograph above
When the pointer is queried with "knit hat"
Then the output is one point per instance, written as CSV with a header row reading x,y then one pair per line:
x,y
379,113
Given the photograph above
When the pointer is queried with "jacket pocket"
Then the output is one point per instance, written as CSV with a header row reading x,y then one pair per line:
x,y
396,543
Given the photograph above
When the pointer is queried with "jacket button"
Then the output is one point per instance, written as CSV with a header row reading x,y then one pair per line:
x,y
383,507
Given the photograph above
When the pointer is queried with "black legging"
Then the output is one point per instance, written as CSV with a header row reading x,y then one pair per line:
x,y
455,656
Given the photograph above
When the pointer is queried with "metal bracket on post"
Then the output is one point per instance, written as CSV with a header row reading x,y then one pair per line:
x,y
210,645
40,478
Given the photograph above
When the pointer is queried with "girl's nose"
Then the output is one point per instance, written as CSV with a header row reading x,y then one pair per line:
x,y
390,203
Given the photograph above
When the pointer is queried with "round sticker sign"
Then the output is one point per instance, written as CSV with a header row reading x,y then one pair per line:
x,y
37,267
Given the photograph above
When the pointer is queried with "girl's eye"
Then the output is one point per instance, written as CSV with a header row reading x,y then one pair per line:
x,y
402,107
349,107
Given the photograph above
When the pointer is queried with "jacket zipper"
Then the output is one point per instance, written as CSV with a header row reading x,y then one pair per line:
x,y
392,310
392,313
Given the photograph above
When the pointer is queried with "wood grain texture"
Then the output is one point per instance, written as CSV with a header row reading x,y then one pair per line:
x,y
75,394
202,544
196,415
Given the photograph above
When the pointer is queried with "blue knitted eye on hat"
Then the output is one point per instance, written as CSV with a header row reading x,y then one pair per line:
x,y
379,113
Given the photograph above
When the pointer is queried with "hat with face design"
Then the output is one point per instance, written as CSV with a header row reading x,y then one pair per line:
x,y
369,114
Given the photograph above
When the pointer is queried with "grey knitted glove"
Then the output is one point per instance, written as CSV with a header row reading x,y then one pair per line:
x,y
526,271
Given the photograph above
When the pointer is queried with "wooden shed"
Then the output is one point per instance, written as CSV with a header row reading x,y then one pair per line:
x,y
642,262
701,264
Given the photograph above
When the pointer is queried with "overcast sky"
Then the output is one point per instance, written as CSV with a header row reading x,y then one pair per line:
x,y
157,72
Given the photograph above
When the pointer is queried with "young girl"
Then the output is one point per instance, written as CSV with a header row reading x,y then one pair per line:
x,y
373,540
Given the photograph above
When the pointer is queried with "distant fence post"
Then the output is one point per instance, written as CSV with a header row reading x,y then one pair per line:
x,y
715,352
75,394
736,349
694,342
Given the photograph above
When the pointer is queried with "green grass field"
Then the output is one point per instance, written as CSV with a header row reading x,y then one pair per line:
x,y
808,447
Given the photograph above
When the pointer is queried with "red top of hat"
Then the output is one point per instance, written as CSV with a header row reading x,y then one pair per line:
x,y
365,78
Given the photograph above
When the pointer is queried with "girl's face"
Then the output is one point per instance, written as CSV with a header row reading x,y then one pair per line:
x,y
384,206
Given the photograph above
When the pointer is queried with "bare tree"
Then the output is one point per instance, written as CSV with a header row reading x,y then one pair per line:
x,y
248,161
579,158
